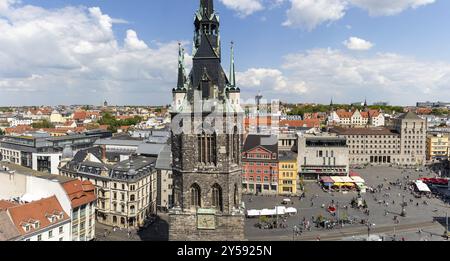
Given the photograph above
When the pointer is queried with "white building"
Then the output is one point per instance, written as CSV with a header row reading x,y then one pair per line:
x,y
76,198
372,118
20,121
41,220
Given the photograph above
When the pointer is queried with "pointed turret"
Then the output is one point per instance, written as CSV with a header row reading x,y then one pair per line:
x,y
206,7
232,69
181,72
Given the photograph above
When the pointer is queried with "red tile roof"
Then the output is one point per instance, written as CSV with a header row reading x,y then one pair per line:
x,y
80,115
4,205
309,123
37,211
80,193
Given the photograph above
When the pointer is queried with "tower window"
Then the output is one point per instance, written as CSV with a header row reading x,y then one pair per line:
x,y
195,196
217,197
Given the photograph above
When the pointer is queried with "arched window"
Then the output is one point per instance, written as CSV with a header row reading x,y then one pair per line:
x,y
207,148
214,149
235,145
236,196
217,197
195,196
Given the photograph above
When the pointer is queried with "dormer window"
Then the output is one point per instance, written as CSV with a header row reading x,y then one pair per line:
x,y
61,216
26,227
37,225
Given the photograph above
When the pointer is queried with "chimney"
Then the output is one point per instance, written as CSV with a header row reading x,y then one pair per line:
x,y
104,153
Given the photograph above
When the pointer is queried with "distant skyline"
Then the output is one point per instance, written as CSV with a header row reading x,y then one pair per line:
x,y
298,51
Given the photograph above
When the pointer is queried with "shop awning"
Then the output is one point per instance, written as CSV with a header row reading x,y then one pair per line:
x,y
357,179
422,187
327,180
253,213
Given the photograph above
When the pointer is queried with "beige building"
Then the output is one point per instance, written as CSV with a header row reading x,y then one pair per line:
x,y
126,191
404,144
437,147
322,155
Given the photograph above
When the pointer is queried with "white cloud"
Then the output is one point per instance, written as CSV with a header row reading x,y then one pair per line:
x,y
391,77
308,14
269,80
244,7
389,7
58,55
355,43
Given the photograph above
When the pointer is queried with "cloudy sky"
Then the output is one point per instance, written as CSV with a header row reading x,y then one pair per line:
x,y
83,51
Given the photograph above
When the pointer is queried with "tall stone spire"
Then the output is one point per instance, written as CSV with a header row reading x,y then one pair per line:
x,y
206,7
181,72
232,68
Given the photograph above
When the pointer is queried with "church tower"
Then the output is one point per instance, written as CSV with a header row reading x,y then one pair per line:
x,y
207,122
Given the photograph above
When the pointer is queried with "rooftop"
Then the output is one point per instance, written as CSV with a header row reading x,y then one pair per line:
x,y
37,211
363,131
30,172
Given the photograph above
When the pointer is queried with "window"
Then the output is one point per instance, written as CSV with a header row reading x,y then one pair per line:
x,y
39,238
217,197
195,196
50,234
61,230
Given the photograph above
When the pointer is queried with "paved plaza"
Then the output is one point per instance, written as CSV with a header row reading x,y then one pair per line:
x,y
383,208
158,231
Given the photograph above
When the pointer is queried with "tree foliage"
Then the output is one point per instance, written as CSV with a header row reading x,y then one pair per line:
x,y
114,124
44,124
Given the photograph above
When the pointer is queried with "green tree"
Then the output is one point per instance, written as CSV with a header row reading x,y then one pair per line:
x,y
44,124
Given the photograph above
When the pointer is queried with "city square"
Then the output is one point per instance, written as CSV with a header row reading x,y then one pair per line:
x,y
429,218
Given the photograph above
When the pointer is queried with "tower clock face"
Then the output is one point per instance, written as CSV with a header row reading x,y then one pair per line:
x,y
206,222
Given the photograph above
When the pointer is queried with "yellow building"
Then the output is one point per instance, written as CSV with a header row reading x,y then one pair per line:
x,y
437,147
287,173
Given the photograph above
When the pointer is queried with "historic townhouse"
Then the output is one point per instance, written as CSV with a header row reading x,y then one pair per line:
x,y
260,164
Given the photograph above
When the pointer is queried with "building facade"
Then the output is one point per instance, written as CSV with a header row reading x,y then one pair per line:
x,y
41,220
260,164
76,198
126,191
356,118
437,147
41,152
206,142
288,173
322,155
404,144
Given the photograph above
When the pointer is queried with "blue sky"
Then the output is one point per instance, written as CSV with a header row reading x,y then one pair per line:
x,y
293,50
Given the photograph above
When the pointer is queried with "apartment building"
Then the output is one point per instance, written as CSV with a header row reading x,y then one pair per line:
x,y
260,164
126,191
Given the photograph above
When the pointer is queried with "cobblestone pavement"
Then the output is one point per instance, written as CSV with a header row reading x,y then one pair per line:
x,y
418,217
156,232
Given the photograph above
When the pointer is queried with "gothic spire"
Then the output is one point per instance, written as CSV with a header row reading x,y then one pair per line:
x,y
181,71
232,69
206,7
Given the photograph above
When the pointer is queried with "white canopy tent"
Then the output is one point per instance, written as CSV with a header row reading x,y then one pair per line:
x,y
422,187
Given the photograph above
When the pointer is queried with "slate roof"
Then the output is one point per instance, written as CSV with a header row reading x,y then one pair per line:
x,y
164,160
410,116
268,142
